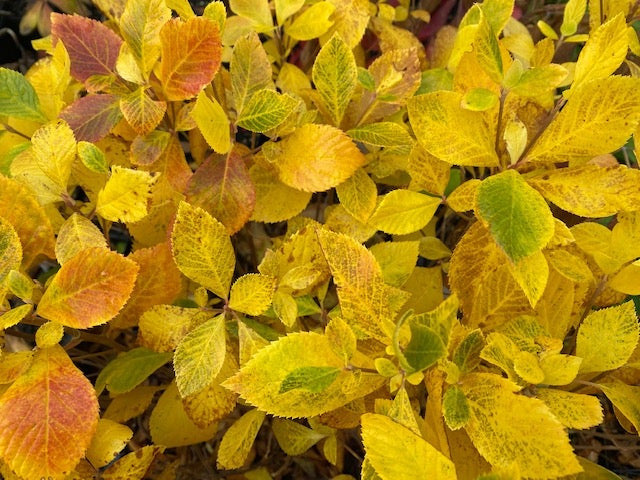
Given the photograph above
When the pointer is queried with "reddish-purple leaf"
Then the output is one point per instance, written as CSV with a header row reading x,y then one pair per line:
x,y
92,117
93,48
222,186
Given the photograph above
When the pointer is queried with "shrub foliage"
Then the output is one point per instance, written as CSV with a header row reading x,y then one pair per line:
x,y
292,218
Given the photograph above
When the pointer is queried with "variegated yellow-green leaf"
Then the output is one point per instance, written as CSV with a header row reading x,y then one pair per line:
x,y
599,117
130,369
199,356
606,339
250,69
590,190
76,234
498,417
455,408
125,196
252,293
517,216
451,133
266,109
403,211
202,249
17,97
92,157
358,195
536,81
335,77
396,453
487,49
397,260
574,10
238,440
212,122
260,380
574,410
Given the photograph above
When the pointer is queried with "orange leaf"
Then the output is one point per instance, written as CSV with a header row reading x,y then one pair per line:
x,y
158,281
191,55
222,186
47,417
21,209
93,47
92,117
89,289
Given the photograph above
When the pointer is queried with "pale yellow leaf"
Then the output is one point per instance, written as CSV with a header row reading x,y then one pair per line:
x,y
238,440
125,196
574,410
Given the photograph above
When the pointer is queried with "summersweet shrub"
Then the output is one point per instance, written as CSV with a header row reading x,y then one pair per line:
x,y
331,234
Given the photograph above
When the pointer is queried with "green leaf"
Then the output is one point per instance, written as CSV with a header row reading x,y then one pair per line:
x,y
517,216
199,356
335,77
266,109
313,379
130,369
425,347
455,408
18,98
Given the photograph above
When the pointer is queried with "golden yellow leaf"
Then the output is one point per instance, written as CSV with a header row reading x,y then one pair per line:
x,y
202,249
238,440
313,22
252,293
402,211
293,437
141,111
170,425
463,198
76,234
559,369
134,465
125,196
451,133
49,334
358,195
212,121
599,117
397,260
531,273
162,327
606,339
315,158
574,410
110,438
590,190
627,280
250,70
129,405
10,250
396,453
498,417
625,398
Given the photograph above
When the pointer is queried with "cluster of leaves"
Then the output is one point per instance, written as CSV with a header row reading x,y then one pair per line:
x,y
435,249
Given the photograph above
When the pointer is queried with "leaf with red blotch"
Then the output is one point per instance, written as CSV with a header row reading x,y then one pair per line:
x,y
89,289
222,186
141,111
47,417
92,117
191,56
93,48
159,281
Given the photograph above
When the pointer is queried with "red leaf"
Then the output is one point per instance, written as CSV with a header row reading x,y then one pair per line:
x,y
92,117
93,48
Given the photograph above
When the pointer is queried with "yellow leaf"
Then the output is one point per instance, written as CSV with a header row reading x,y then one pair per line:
x,y
315,158
532,273
574,11
358,195
402,211
252,293
427,172
89,289
350,20
574,410
257,11
140,26
76,234
110,438
559,369
463,198
14,316
498,417
603,53
265,110
599,117
397,260
627,280
141,111
451,133
285,308
335,77
125,196
250,70
313,22
487,49
432,248
49,334
396,453
129,405
260,380
13,365
202,249
212,122
163,326
10,250
595,240
294,438
537,81
199,356
606,339
625,398
134,465
46,166
590,190
238,439
20,285
170,425
286,8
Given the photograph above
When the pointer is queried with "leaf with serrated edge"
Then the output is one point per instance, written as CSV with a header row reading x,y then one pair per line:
x,y
625,398
396,453
199,356
48,417
260,386
92,117
250,69
10,250
358,195
89,289
498,417
17,97
252,293
76,234
574,410
125,195
607,338
202,249
141,111
265,110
